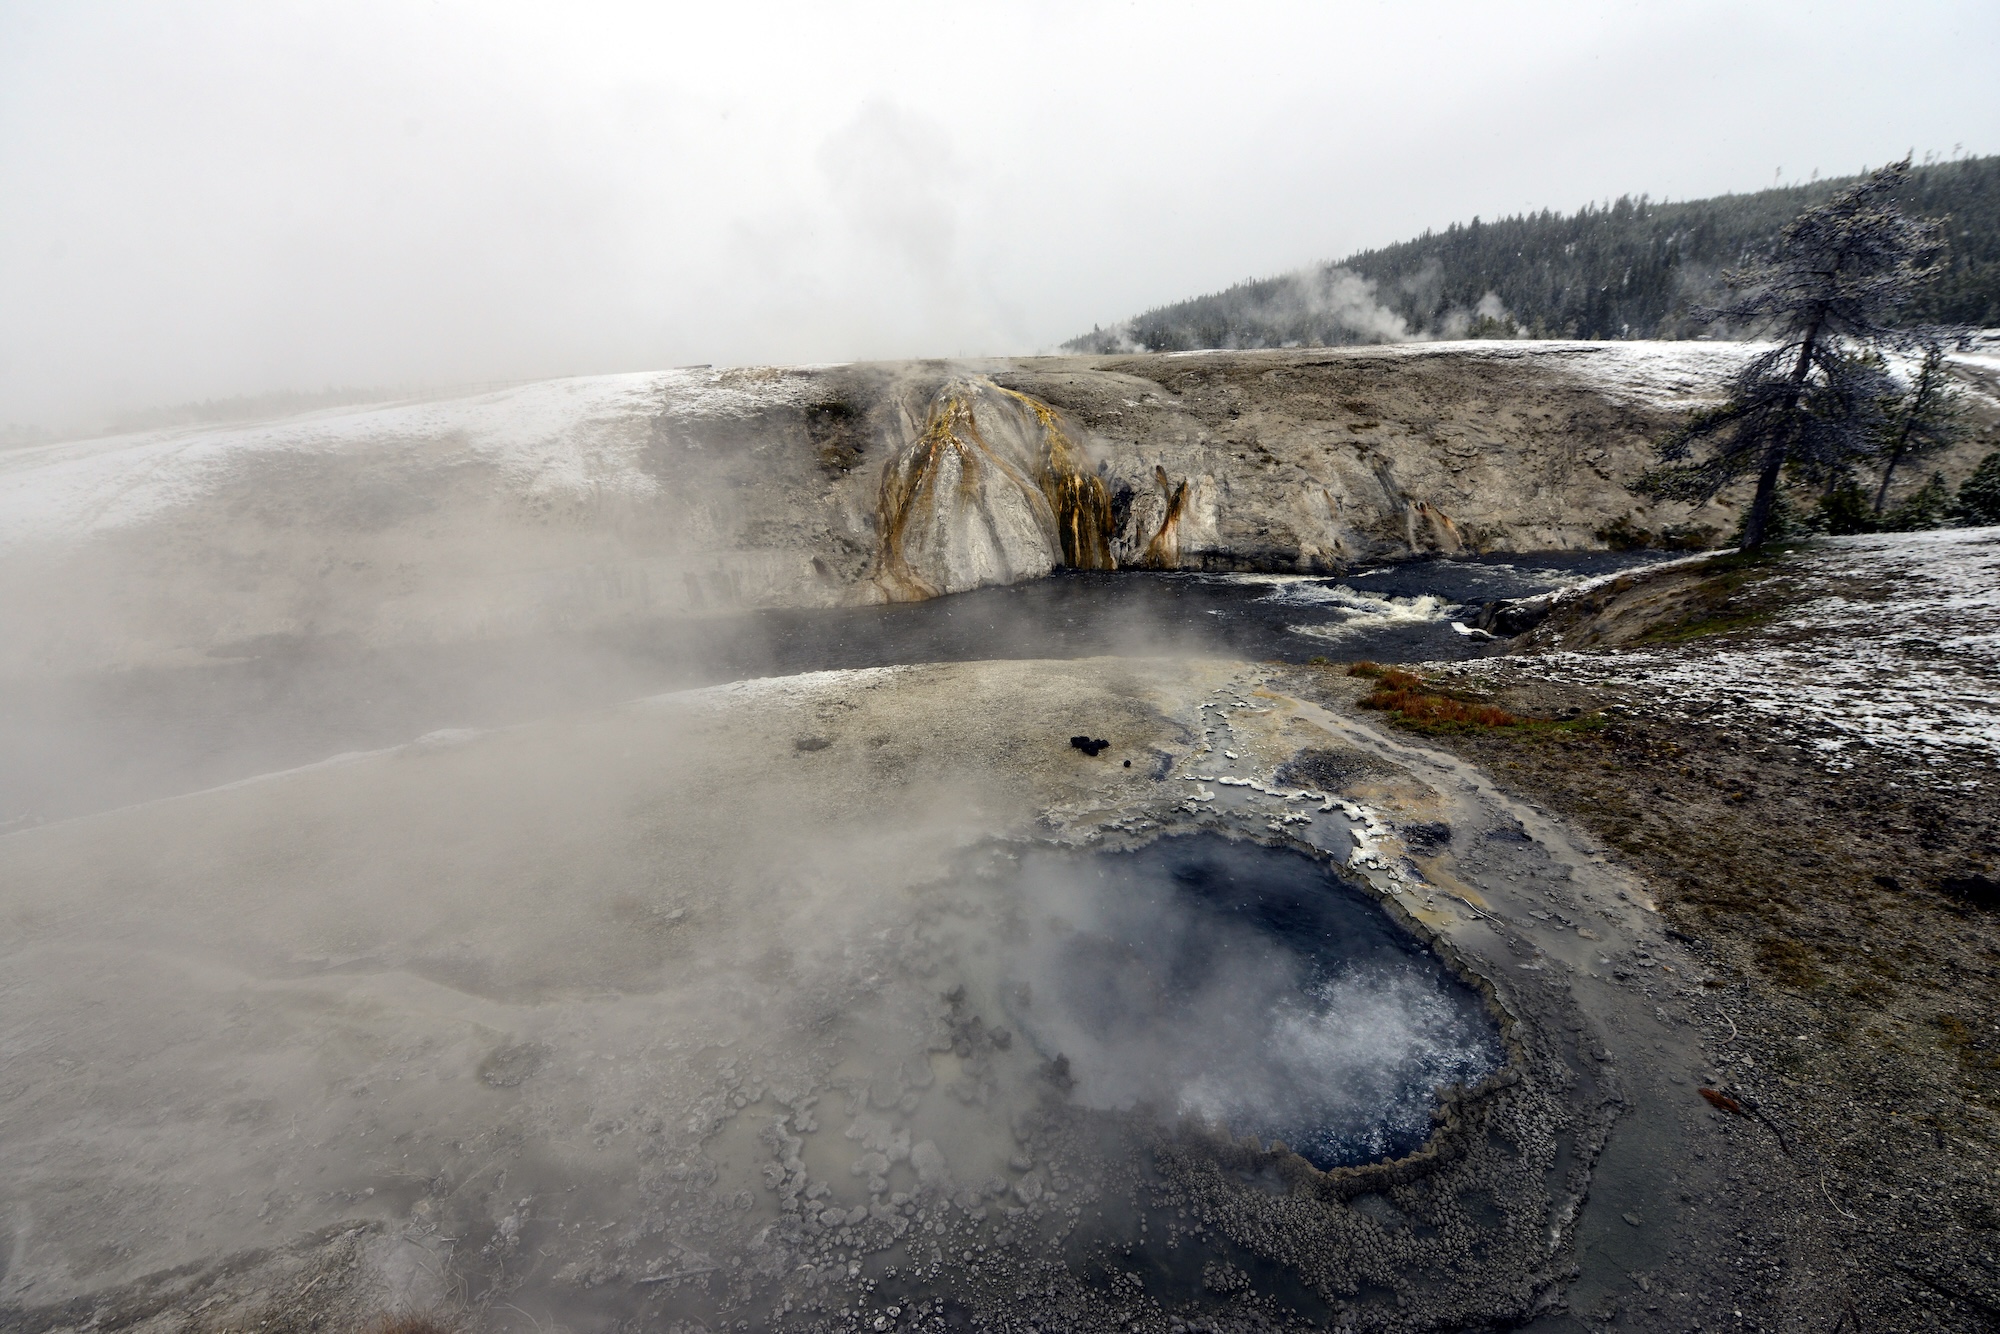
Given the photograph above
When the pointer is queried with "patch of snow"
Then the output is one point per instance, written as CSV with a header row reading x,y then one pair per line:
x,y
1660,373
1657,373
1672,374
1912,676
575,435
800,685
1981,358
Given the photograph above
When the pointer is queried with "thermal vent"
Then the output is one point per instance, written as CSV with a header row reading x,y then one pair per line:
x,y
1242,986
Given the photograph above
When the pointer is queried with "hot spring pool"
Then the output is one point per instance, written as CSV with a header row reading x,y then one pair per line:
x,y
1240,985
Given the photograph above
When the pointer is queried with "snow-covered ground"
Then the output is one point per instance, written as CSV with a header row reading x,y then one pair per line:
x,y
1894,654
1979,365
584,435
581,435
1654,373
1680,373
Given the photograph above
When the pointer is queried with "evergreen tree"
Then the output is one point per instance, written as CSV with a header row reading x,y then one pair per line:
x,y
1828,295
1926,419
1633,268
1927,507
1978,501
1844,511
1782,523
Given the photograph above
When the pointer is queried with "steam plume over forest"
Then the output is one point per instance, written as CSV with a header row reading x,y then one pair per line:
x,y
1629,269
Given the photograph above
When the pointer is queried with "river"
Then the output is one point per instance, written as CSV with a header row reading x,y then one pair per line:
x,y
91,743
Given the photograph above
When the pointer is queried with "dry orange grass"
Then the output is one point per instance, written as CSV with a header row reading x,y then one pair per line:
x,y
1402,693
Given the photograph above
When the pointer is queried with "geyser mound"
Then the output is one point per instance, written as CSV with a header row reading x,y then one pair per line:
x,y
1243,986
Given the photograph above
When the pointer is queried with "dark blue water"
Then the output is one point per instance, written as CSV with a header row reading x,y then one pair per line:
x,y
1388,613
1244,985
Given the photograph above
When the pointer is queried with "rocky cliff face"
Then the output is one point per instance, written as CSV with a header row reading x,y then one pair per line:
x,y
990,489
1310,461
602,502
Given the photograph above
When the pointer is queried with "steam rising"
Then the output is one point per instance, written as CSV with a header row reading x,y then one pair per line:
x,y
245,198
1313,307
723,1009
534,991
1241,986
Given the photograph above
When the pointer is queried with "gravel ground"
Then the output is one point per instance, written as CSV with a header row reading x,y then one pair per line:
x,y
1798,755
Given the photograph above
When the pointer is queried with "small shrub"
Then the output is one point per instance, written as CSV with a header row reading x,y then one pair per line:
x,y
1621,534
1403,694
1784,524
1845,510
1690,537
1978,502
1927,507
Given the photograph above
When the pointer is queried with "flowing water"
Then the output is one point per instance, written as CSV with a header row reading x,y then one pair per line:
x,y
78,745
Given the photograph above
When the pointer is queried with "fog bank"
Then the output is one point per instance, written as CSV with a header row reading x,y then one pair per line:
x,y
234,199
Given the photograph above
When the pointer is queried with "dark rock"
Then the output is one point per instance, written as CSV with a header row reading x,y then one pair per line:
x,y
1505,616
1973,890
1431,836
1090,747
1327,769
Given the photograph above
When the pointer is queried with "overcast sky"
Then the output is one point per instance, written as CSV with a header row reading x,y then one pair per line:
x,y
209,199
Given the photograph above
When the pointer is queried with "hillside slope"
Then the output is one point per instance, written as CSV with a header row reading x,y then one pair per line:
x,y
1631,269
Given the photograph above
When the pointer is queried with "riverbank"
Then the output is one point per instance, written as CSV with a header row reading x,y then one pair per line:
x,y
100,740
1799,757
